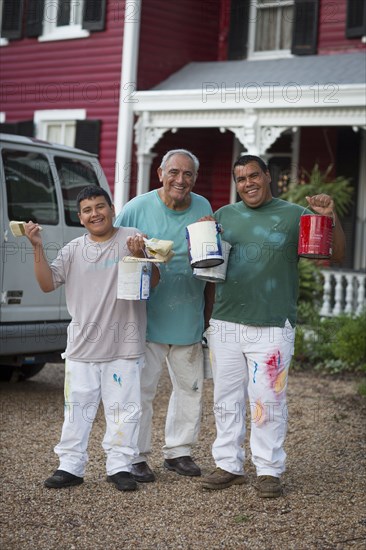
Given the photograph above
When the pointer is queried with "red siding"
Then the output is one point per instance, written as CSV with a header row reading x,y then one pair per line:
x,y
68,74
214,151
173,34
318,146
332,29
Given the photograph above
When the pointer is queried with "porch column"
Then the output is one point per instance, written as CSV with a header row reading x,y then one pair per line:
x,y
146,136
144,161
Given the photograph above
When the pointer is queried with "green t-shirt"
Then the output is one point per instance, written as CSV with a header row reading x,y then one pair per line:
x,y
261,286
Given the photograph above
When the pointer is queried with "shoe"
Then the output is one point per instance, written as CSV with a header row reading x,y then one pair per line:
x,y
183,465
269,487
221,479
61,479
142,473
123,481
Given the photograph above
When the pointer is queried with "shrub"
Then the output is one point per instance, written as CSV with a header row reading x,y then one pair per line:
x,y
331,344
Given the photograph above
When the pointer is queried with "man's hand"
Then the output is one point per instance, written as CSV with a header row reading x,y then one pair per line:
x,y
322,204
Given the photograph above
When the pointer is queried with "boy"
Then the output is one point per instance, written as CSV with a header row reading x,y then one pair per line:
x,y
105,344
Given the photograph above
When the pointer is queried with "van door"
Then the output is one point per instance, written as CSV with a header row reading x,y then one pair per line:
x,y
29,194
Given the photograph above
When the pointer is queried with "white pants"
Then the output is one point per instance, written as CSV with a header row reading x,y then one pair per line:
x,y
250,362
185,364
117,383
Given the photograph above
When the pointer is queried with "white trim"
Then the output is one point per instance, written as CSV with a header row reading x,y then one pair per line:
x,y
59,114
128,85
2,117
4,41
255,96
65,33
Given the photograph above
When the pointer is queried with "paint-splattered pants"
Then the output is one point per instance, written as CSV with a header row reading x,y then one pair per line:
x,y
250,363
185,364
117,384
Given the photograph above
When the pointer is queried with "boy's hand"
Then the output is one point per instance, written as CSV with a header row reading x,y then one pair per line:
x,y
136,245
33,232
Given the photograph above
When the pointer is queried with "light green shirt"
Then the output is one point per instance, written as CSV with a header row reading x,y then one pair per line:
x,y
175,307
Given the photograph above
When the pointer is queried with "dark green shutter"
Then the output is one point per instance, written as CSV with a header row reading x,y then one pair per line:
x,y
305,32
88,135
35,18
12,19
238,33
22,128
356,19
94,15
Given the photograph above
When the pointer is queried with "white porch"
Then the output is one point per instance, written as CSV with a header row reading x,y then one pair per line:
x,y
343,292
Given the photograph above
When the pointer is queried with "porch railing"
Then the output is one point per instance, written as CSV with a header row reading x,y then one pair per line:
x,y
343,292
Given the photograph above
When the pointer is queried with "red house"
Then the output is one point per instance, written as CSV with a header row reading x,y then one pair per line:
x,y
130,80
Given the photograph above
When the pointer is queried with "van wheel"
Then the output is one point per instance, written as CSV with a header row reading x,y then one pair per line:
x,y
17,374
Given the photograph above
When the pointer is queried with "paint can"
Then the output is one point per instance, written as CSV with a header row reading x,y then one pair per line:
x,y
215,274
315,236
204,244
133,279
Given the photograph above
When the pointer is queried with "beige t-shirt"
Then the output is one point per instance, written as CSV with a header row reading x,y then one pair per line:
x,y
102,327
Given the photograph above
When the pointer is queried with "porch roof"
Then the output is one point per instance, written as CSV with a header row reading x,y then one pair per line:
x,y
341,69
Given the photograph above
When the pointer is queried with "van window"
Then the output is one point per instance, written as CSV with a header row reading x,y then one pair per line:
x,y
30,187
74,175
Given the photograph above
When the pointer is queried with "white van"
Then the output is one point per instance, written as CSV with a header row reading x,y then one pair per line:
x,y
39,182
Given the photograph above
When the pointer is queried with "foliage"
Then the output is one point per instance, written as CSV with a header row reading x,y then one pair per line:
x,y
332,344
361,390
310,282
340,189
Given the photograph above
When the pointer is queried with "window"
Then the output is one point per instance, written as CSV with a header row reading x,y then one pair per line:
x,y
59,125
68,127
270,28
30,187
62,19
356,19
73,174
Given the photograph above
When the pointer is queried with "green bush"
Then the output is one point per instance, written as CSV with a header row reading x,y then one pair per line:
x,y
331,344
340,189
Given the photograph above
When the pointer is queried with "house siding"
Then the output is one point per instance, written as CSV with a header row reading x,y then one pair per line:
x,y
173,34
68,74
332,29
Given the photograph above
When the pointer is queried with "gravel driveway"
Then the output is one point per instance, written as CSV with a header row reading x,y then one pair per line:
x,y
325,484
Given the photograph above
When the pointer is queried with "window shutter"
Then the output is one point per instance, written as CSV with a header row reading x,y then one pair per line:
x,y
356,19
305,32
35,18
94,15
25,128
88,135
12,19
22,128
8,128
238,34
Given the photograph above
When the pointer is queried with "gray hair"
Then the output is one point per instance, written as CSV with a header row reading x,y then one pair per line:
x,y
172,152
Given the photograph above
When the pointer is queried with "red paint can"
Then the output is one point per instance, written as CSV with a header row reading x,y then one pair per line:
x,y
315,236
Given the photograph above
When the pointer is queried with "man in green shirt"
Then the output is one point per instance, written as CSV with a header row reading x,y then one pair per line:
x,y
252,330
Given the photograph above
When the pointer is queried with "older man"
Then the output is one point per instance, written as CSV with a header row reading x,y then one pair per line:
x,y
177,310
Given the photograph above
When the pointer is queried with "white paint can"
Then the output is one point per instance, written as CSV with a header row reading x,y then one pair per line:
x,y
133,280
216,274
204,244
